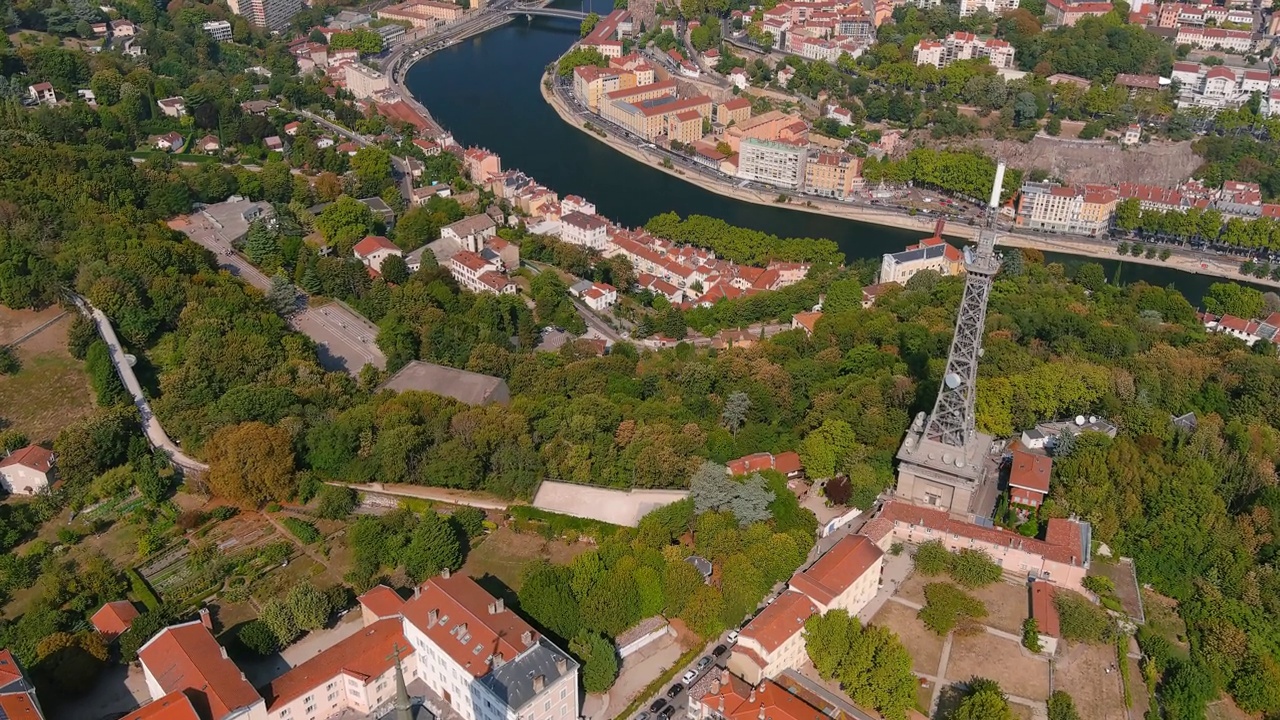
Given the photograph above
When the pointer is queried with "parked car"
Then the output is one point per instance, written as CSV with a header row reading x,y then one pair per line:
x,y
720,650
732,637
704,662
642,716
675,690
689,676
657,705
667,712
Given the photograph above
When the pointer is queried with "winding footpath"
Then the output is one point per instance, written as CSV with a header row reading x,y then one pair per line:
x,y
158,438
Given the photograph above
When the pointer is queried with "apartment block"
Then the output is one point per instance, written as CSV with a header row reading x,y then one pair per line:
x,y
1081,210
423,13
1069,12
963,46
1217,87
833,175
1241,42
219,30
589,231
995,7
479,274
363,81
737,110
591,84
269,14
778,163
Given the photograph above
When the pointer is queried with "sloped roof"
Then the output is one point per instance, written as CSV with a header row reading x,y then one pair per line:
x,y
780,620
114,617
467,623
187,658
364,656
174,706
31,456
838,569
382,601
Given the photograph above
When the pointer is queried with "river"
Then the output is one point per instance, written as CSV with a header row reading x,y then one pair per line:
x,y
485,90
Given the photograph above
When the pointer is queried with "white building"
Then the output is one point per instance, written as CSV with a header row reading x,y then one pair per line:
x,y
1237,41
270,14
374,250
470,232
174,107
1218,87
587,230
995,7
963,46
364,82
219,30
27,471
780,164
42,93
1079,210
479,274
597,296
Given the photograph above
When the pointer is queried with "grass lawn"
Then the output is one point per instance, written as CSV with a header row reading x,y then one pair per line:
x,y
504,554
51,389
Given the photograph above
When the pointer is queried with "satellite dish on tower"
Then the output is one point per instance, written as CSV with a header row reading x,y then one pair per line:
x,y
952,380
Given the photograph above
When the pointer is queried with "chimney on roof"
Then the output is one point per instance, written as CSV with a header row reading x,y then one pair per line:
x,y
205,620
224,651
539,682
433,617
496,606
417,592
445,573
752,696
562,664
721,704
761,711
724,676
461,630
526,637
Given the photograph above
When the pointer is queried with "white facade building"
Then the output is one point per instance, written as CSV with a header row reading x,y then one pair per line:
x,y
587,230
27,471
774,163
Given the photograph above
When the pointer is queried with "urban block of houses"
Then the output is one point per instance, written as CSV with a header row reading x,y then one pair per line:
x,y
1249,331
1240,42
1069,12
1062,557
28,470
846,577
373,250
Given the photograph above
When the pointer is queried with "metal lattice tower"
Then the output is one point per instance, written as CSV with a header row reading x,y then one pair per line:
x,y
952,420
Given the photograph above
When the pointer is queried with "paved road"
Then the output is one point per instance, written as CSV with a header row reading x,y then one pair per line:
x,y
344,339
155,432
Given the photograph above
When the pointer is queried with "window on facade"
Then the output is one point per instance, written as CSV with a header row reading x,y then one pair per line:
x,y
333,695
311,709
546,705
329,686
309,698
563,691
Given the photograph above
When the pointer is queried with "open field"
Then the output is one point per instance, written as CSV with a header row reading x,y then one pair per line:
x,y
1007,605
1081,671
1005,661
504,554
51,389
925,647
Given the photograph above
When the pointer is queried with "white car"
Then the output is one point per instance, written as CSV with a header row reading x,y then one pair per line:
x,y
732,637
689,676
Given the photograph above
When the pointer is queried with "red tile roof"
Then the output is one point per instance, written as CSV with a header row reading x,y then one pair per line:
x,y
174,706
1030,471
1062,541
787,462
780,620
467,622
114,617
838,569
373,243
187,658
363,656
382,602
1043,609
806,320
18,707
31,456
768,700
750,463
10,671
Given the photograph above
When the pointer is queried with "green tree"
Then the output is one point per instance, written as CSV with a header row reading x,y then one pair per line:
x,y
1062,707
282,296
251,464
948,607
825,450
599,661
1128,212
433,546
278,617
1031,635
932,558
394,269
372,169
257,637
589,24
974,568
310,607
545,597
984,704
336,503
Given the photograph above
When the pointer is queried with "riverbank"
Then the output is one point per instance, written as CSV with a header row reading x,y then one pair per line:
x,y
1195,263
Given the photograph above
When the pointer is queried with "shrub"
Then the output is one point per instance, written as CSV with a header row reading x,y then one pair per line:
x,y
336,502
142,591
932,558
1062,707
1081,620
301,529
469,520
67,536
974,568
191,519
1099,585
257,637
947,608
224,512
1031,635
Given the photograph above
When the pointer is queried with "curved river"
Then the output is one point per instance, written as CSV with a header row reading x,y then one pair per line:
x,y
486,91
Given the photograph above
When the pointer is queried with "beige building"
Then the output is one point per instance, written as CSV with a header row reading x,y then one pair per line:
x,y
27,471
423,13
684,127
832,175
963,46
1081,210
363,81
777,163
643,111
773,125
736,111
846,577
774,640
591,83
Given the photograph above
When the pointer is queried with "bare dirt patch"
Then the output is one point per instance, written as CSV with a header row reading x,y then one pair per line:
x,y
1007,605
1005,661
1081,671
505,553
1137,690
925,647
912,589
51,389
1078,161
1224,708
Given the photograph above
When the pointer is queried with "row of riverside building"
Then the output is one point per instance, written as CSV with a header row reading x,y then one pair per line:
x,y
457,646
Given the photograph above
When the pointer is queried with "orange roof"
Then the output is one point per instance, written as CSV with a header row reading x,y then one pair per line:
x,y
373,243
114,617
750,463
780,620
1030,471
838,569
737,700
807,320
468,623
18,707
787,462
1062,541
364,656
31,456
186,657
1043,609
10,671
174,706
382,601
